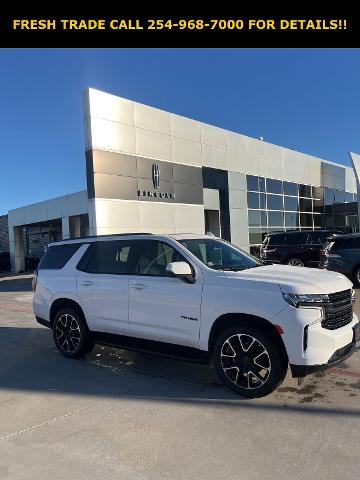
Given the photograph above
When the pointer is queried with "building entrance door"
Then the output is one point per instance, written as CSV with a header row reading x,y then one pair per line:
x,y
212,222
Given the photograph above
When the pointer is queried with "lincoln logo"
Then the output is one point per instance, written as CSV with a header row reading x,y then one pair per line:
x,y
156,184
156,175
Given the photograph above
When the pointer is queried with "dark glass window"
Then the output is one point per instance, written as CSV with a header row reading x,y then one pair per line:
x,y
298,238
252,183
328,196
253,200
263,219
319,221
318,192
290,188
352,220
274,202
262,184
254,218
305,191
349,197
153,257
291,219
273,186
340,221
351,243
219,255
132,257
329,221
291,204
276,239
57,256
339,196
318,238
275,219
262,198
305,205
113,257
318,206
306,220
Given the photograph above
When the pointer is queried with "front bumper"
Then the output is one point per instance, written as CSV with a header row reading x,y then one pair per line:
x,y
338,356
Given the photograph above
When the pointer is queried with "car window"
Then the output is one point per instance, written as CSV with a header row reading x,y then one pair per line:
x,y
153,256
219,255
129,257
298,238
276,240
57,256
109,257
350,243
317,238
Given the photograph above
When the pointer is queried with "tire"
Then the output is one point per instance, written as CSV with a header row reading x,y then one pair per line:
x,y
356,276
236,371
295,262
71,335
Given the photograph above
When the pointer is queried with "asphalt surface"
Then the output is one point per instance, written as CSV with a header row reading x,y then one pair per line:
x,y
122,415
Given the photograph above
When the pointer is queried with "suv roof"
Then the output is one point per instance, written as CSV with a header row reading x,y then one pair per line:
x,y
94,238
293,232
345,235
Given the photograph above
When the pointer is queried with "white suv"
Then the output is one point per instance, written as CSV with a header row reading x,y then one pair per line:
x,y
162,292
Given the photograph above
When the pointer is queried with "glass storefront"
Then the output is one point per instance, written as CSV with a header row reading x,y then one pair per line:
x,y
276,205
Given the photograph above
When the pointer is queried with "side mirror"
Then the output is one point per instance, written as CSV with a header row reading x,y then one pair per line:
x,y
181,270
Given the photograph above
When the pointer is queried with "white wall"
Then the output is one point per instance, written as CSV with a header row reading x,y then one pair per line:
x,y
117,124
60,207
122,216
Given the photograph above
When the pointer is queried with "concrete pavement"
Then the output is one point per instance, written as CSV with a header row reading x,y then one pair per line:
x,y
125,415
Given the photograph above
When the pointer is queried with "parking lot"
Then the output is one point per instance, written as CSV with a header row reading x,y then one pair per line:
x,y
123,415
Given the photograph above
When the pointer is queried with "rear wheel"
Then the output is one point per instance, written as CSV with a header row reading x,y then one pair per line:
x,y
357,276
71,334
249,361
295,262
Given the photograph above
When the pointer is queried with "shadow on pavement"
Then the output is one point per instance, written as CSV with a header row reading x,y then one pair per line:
x,y
29,362
15,284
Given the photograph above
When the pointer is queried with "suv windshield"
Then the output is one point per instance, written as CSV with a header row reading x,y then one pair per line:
x,y
220,255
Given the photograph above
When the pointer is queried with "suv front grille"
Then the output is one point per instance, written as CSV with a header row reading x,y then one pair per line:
x,y
339,311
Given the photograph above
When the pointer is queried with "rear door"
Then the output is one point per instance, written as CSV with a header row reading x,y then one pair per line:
x,y
295,246
314,243
103,286
163,308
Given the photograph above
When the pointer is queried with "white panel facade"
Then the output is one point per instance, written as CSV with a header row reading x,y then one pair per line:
x,y
158,133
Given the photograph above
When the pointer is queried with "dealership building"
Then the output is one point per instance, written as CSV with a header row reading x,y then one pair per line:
x,y
149,170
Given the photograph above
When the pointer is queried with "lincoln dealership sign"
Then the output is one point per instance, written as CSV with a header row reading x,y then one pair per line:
x,y
156,183
132,177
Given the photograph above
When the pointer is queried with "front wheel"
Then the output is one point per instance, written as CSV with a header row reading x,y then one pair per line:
x,y
71,334
248,361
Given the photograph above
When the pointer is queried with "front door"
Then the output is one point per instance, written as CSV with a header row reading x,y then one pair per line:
x,y
163,308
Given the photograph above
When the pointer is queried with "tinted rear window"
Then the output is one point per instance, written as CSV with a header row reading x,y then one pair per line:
x,y
57,256
298,238
276,240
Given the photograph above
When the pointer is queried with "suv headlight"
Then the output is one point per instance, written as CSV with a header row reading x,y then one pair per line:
x,y
308,300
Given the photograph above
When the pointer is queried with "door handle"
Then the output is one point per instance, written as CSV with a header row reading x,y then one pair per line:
x,y
87,283
139,286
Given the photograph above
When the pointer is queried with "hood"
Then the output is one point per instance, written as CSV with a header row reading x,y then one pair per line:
x,y
299,280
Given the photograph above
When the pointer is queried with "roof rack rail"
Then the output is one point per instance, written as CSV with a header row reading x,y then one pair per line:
x,y
101,236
